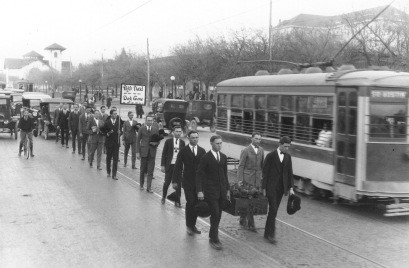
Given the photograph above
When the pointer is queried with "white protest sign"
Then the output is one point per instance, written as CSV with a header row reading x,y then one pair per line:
x,y
132,94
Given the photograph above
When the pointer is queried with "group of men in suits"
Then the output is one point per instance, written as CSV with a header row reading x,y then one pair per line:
x,y
95,132
202,175
273,175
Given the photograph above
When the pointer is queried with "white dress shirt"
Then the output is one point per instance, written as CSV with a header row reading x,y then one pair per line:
x,y
191,148
216,155
280,155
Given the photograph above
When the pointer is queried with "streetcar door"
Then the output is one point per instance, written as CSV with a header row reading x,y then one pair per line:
x,y
346,131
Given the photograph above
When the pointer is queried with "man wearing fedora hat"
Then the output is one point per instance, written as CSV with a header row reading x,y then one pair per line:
x,y
277,180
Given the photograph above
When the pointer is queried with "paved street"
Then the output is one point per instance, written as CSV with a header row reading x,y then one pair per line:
x,y
56,211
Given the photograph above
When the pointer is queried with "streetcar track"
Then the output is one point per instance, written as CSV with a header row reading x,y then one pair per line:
x,y
131,181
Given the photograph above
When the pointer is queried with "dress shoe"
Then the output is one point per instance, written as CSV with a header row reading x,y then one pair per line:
x,y
141,188
270,239
189,231
215,244
134,167
108,175
90,164
195,230
149,191
79,152
178,205
62,146
31,155
99,168
124,165
19,153
114,178
83,158
67,147
73,152
163,200
252,229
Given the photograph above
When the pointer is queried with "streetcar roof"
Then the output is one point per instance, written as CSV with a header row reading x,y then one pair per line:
x,y
348,78
36,96
374,78
314,79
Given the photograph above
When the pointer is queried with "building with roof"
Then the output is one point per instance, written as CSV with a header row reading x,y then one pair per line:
x,y
19,68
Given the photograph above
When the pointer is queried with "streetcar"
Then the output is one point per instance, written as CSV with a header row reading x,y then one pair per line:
x,y
363,155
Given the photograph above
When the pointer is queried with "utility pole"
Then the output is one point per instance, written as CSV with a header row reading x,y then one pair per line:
x,y
102,71
269,38
148,92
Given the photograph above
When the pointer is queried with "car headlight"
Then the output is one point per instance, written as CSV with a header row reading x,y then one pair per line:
x,y
6,122
34,113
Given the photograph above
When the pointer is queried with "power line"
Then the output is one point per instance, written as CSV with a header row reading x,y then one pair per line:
x,y
121,17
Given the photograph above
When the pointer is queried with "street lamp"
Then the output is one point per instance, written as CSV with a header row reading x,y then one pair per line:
x,y
173,80
80,88
46,86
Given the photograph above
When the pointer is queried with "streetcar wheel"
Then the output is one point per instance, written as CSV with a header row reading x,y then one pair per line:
x,y
193,125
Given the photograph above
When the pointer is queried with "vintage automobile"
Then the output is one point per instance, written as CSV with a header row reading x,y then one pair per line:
x,y
8,123
32,100
16,100
69,95
170,113
201,113
47,108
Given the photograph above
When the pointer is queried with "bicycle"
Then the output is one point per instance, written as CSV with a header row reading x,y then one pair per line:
x,y
27,147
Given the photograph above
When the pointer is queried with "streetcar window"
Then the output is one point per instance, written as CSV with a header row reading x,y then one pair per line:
x,y
321,105
352,121
273,126
303,128
353,99
342,99
236,120
260,123
248,122
221,118
341,120
388,120
249,101
273,102
261,102
237,101
302,104
340,148
221,99
287,126
287,103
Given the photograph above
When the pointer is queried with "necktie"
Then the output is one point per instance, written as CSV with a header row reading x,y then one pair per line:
x,y
256,146
218,160
281,153
149,130
193,150
176,141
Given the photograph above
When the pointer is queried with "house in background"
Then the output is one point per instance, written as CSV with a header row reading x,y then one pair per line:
x,y
19,69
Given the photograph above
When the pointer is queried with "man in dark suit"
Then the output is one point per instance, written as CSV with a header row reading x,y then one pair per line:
x,y
130,130
169,154
146,151
96,138
63,125
277,180
83,130
55,123
112,127
212,186
73,123
187,164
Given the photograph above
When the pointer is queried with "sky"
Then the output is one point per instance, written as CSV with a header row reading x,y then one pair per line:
x,y
91,29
